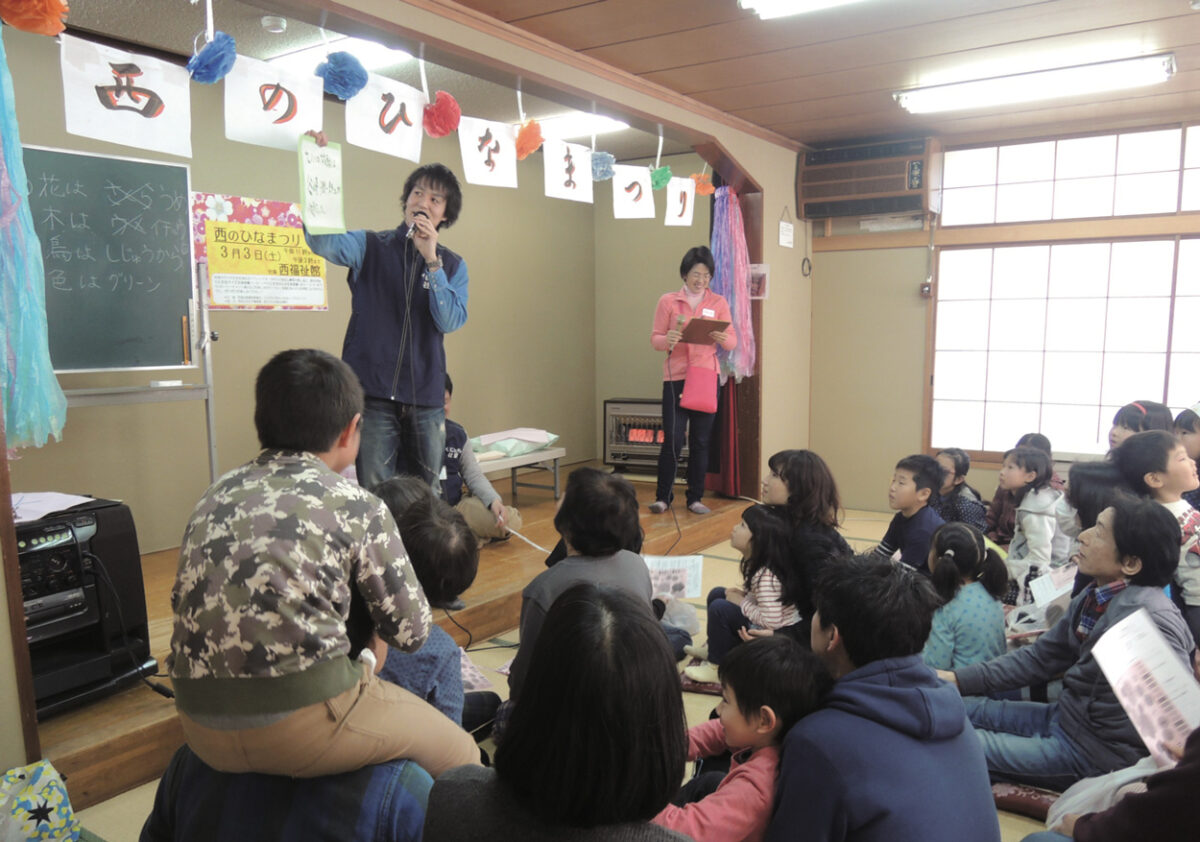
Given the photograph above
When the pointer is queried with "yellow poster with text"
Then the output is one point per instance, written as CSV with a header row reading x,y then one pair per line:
x,y
262,267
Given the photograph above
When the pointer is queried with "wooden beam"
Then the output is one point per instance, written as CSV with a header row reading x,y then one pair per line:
x,y
16,606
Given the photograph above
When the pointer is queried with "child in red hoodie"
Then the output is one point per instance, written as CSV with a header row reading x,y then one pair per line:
x,y
767,685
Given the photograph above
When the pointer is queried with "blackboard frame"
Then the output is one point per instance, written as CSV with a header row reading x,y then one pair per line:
x,y
188,361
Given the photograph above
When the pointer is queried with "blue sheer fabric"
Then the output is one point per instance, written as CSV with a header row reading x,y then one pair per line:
x,y
34,405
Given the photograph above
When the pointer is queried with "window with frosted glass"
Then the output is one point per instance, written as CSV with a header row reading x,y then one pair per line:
x,y
1053,338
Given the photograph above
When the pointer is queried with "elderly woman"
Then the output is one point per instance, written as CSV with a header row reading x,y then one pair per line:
x,y
675,310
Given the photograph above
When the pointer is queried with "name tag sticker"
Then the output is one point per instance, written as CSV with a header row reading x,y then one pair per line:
x,y
708,313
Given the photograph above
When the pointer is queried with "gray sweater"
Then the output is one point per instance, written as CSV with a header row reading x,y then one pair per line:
x,y
623,570
470,803
1088,710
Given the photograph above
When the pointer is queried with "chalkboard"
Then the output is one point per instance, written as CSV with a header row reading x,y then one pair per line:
x,y
118,254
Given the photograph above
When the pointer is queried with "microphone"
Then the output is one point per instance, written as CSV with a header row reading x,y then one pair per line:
x,y
679,319
409,235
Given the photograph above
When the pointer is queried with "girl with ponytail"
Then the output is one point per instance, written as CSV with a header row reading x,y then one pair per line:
x,y
970,578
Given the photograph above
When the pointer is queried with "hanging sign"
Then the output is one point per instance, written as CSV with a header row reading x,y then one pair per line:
x,y
386,116
268,105
680,201
489,152
568,170
632,196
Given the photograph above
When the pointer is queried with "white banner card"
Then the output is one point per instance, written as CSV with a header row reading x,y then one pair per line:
x,y
321,187
126,98
387,116
568,170
489,152
632,196
680,202
271,106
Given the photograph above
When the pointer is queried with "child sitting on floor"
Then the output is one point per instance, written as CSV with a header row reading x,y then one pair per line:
x,y
768,597
1137,417
1187,427
957,501
766,687
970,578
1156,465
916,480
1038,540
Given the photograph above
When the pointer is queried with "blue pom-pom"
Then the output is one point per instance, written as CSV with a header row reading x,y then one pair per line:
x,y
344,75
213,62
602,166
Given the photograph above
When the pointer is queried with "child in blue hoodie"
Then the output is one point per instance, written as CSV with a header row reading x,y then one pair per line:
x,y
889,733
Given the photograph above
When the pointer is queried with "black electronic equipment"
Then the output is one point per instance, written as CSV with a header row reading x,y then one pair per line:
x,y
85,604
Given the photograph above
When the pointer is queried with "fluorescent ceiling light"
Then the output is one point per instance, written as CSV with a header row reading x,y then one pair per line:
x,y
373,55
1038,85
767,9
578,124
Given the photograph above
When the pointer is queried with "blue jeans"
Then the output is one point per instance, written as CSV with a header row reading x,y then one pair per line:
x,y
399,438
1046,836
1023,742
699,427
724,620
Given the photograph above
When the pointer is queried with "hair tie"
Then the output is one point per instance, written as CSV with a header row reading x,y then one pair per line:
x,y
1139,406
948,553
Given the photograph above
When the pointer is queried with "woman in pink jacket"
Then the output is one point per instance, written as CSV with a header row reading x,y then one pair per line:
x,y
675,310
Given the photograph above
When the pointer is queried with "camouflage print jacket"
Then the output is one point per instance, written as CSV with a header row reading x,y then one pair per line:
x,y
263,588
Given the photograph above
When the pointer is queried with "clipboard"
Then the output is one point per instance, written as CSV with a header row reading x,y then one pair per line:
x,y
696,331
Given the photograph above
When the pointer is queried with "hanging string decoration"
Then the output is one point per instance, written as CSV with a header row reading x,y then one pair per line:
x,y
602,166
344,74
34,404
732,280
529,139
41,17
660,178
214,61
442,115
704,185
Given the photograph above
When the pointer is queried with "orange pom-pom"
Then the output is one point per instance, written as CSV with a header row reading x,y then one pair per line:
x,y
704,185
442,115
41,17
529,139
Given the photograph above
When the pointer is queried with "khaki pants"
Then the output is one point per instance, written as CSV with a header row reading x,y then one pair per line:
x,y
372,722
483,523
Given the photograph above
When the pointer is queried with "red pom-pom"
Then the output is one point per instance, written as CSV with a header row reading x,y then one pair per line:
x,y
704,185
442,115
41,17
529,139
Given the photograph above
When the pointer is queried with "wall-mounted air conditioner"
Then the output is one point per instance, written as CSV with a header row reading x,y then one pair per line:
x,y
876,179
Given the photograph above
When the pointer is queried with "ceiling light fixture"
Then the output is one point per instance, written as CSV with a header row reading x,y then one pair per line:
x,y
274,24
372,54
1056,83
578,124
767,9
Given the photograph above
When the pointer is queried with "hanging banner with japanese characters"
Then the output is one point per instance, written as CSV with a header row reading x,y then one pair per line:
x,y
126,98
256,254
680,198
632,196
386,116
268,105
321,186
489,152
568,170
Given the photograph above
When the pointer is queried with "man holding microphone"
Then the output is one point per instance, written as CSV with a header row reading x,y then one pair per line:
x,y
407,292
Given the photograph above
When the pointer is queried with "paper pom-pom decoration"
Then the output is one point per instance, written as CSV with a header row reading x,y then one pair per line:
x,y
659,178
602,166
214,61
704,185
442,115
529,139
344,75
41,17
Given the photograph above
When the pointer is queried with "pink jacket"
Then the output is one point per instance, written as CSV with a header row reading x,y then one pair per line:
x,y
741,806
670,307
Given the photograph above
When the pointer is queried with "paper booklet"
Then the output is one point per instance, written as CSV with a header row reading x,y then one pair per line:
x,y
677,575
1160,695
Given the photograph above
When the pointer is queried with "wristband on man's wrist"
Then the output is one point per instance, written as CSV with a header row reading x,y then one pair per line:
x,y
433,265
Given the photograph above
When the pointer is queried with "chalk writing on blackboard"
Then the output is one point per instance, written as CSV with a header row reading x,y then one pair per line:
x,y
116,243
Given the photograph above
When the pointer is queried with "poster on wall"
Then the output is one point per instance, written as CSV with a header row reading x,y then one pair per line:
x,y
256,255
126,98
568,170
489,152
268,105
680,201
759,275
632,196
386,116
